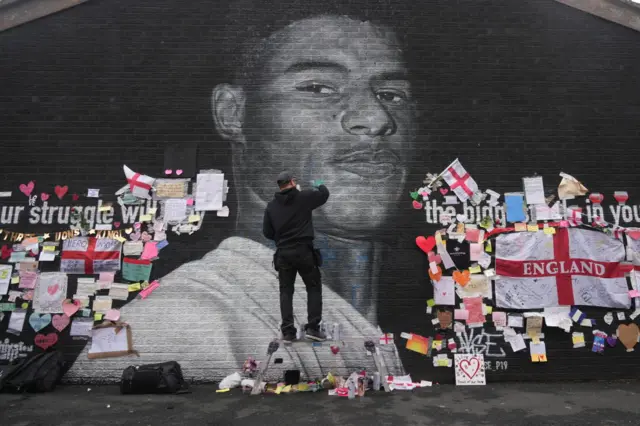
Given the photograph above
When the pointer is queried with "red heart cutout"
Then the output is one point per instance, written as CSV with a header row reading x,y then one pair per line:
x,y
45,341
635,234
69,308
75,197
61,191
52,289
426,244
6,252
444,191
467,368
44,196
335,349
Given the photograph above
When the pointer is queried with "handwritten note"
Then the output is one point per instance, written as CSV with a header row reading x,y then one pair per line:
x,y
107,340
209,192
136,270
175,210
534,190
5,277
171,188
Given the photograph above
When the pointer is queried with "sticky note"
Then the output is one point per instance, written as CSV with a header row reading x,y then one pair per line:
x,y
549,230
49,248
120,239
97,317
461,314
162,244
475,269
134,287
488,247
145,218
190,201
194,218
634,293
431,303
520,227
15,279
152,211
532,228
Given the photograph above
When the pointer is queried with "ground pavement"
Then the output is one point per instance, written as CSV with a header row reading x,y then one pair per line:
x,y
590,403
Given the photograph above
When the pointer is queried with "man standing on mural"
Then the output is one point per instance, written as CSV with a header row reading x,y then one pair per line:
x,y
329,96
288,221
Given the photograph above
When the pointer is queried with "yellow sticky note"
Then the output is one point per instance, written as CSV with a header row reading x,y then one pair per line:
x,y
286,389
549,230
134,287
489,247
475,269
438,238
153,210
578,338
4,274
25,305
223,390
532,228
15,279
303,387
49,248
520,227
97,317
489,309
194,218
105,208
145,218
443,362
119,238
431,303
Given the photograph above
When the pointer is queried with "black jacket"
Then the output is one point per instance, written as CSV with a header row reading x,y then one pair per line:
x,y
287,218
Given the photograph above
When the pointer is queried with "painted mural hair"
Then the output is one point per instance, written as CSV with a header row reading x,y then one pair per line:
x,y
248,32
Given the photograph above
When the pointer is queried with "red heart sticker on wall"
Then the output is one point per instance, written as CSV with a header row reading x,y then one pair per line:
x,y
75,197
44,196
426,244
45,341
6,252
61,191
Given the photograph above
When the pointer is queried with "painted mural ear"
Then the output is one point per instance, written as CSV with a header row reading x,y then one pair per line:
x,y
227,104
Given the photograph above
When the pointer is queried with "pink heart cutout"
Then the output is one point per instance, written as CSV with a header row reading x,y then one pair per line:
x,y
60,322
52,289
116,224
434,257
135,237
168,172
444,191
61,191
44,196
146,237
417,205
70,308
45,341
634,234
426,244
179,172
27,189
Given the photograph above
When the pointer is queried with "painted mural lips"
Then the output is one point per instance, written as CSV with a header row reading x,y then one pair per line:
x,y
371,165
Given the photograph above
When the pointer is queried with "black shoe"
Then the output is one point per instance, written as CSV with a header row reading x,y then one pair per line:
x,y
288,338
316,335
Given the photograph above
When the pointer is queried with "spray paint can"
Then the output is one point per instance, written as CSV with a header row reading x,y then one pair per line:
x,y
336,331
352,389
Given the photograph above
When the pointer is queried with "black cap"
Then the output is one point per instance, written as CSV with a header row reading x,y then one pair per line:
x,y
285,176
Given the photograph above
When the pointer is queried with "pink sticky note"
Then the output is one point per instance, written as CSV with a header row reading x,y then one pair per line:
x,y
461,314
472,235
189,201
634,293
474,306
150,251
28,279
112,315
147,291
107,277
475,251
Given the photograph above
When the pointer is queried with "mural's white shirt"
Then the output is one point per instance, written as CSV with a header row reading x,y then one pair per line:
x,y
212,314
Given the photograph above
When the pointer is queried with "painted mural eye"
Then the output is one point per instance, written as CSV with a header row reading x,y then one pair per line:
x,y
391,97
316,88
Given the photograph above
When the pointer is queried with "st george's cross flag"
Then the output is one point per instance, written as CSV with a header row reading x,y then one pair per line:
x,y
572,267
460,181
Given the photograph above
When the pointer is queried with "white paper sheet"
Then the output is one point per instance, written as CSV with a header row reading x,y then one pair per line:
x,y
5,278
50,292
16,322
444,291
106,340
534,190
175,210
209,191
81,327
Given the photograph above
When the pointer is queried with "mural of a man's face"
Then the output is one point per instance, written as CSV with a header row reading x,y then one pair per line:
x,y
332,101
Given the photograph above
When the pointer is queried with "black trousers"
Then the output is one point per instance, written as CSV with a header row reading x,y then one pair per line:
x,y
290,261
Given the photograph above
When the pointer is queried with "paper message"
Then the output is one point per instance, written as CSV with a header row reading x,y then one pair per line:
x,y
534,190
514,207
469,370
209,191
107,340
119,291
50,292
169,188
5,278
175,210
444,291
136,270
102,304
81,327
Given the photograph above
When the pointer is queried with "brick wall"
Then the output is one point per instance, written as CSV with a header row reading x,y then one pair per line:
x,y
511,89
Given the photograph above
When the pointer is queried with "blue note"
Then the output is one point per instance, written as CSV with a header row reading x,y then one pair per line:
x,y
514,204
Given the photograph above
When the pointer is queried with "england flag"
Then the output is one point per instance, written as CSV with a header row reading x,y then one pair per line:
x,y
572,267
460,182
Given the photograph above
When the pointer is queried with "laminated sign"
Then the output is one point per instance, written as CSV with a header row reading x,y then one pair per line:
x,y
89,255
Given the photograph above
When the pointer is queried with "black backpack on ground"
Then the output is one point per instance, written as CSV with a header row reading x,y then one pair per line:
x,y
153,378
40,373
